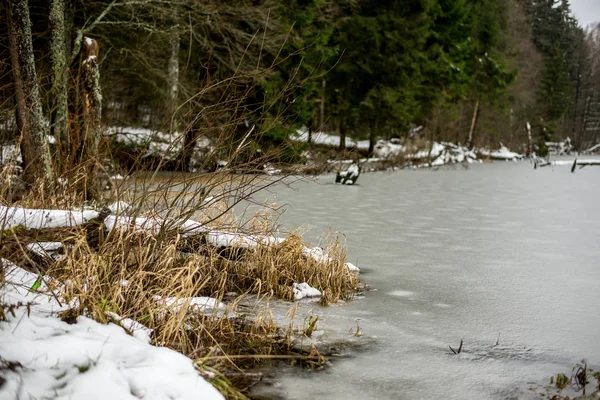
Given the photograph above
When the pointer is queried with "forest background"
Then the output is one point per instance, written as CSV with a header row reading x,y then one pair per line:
x,y
474,72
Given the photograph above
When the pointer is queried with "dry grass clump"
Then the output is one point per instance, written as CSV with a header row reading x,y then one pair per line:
x,y
153,275
132,272
273,269
130,269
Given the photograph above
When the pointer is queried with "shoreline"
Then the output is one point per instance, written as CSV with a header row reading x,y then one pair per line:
x,y
56,271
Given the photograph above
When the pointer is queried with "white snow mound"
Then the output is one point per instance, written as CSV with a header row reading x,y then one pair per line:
x,y
86,360
302,290
30,218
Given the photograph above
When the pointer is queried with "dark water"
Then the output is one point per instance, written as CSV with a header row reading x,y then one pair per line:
x,y
499,250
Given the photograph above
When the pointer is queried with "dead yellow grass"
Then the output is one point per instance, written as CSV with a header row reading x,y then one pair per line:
x,y
130,272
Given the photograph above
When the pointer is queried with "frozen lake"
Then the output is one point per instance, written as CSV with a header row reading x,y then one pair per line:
x,y
496,250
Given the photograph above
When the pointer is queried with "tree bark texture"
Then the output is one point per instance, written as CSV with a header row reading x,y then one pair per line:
x,y
372,135
92,112
529,140
473,124
343,133
173,69
58,59
36,161
322,106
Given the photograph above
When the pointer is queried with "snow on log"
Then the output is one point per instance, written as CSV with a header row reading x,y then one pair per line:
x,y
204,305
560,148
120,207
592,150
30,218
154,225
138,330
388,149
318,255
43,219
303,290
501,154
352,268
46,249
444,153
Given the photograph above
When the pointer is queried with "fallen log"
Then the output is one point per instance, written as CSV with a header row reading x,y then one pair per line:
x,y
27,227
30,231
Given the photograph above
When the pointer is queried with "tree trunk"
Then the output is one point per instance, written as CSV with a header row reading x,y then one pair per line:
x,y
313,127
173,69
92,114
576,139
36,160
58,59
473,123
372,132
342,133
529,141
322,107
585,118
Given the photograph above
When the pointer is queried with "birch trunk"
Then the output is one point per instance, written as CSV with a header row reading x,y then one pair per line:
x,y
36,160
173,69
529,141
173,74
58,59
576,139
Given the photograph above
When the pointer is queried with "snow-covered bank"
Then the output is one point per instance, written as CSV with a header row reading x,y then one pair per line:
x,y
86,360
157,144
434,154
501,154
55,341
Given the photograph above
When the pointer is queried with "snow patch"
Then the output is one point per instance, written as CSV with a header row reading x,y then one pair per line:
x,y
387,149
501,154
138,330
320,138
154,225
86,360
204,305
316,253
352,268
241,240
45,249
153,143
120,207
30,218
302,290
